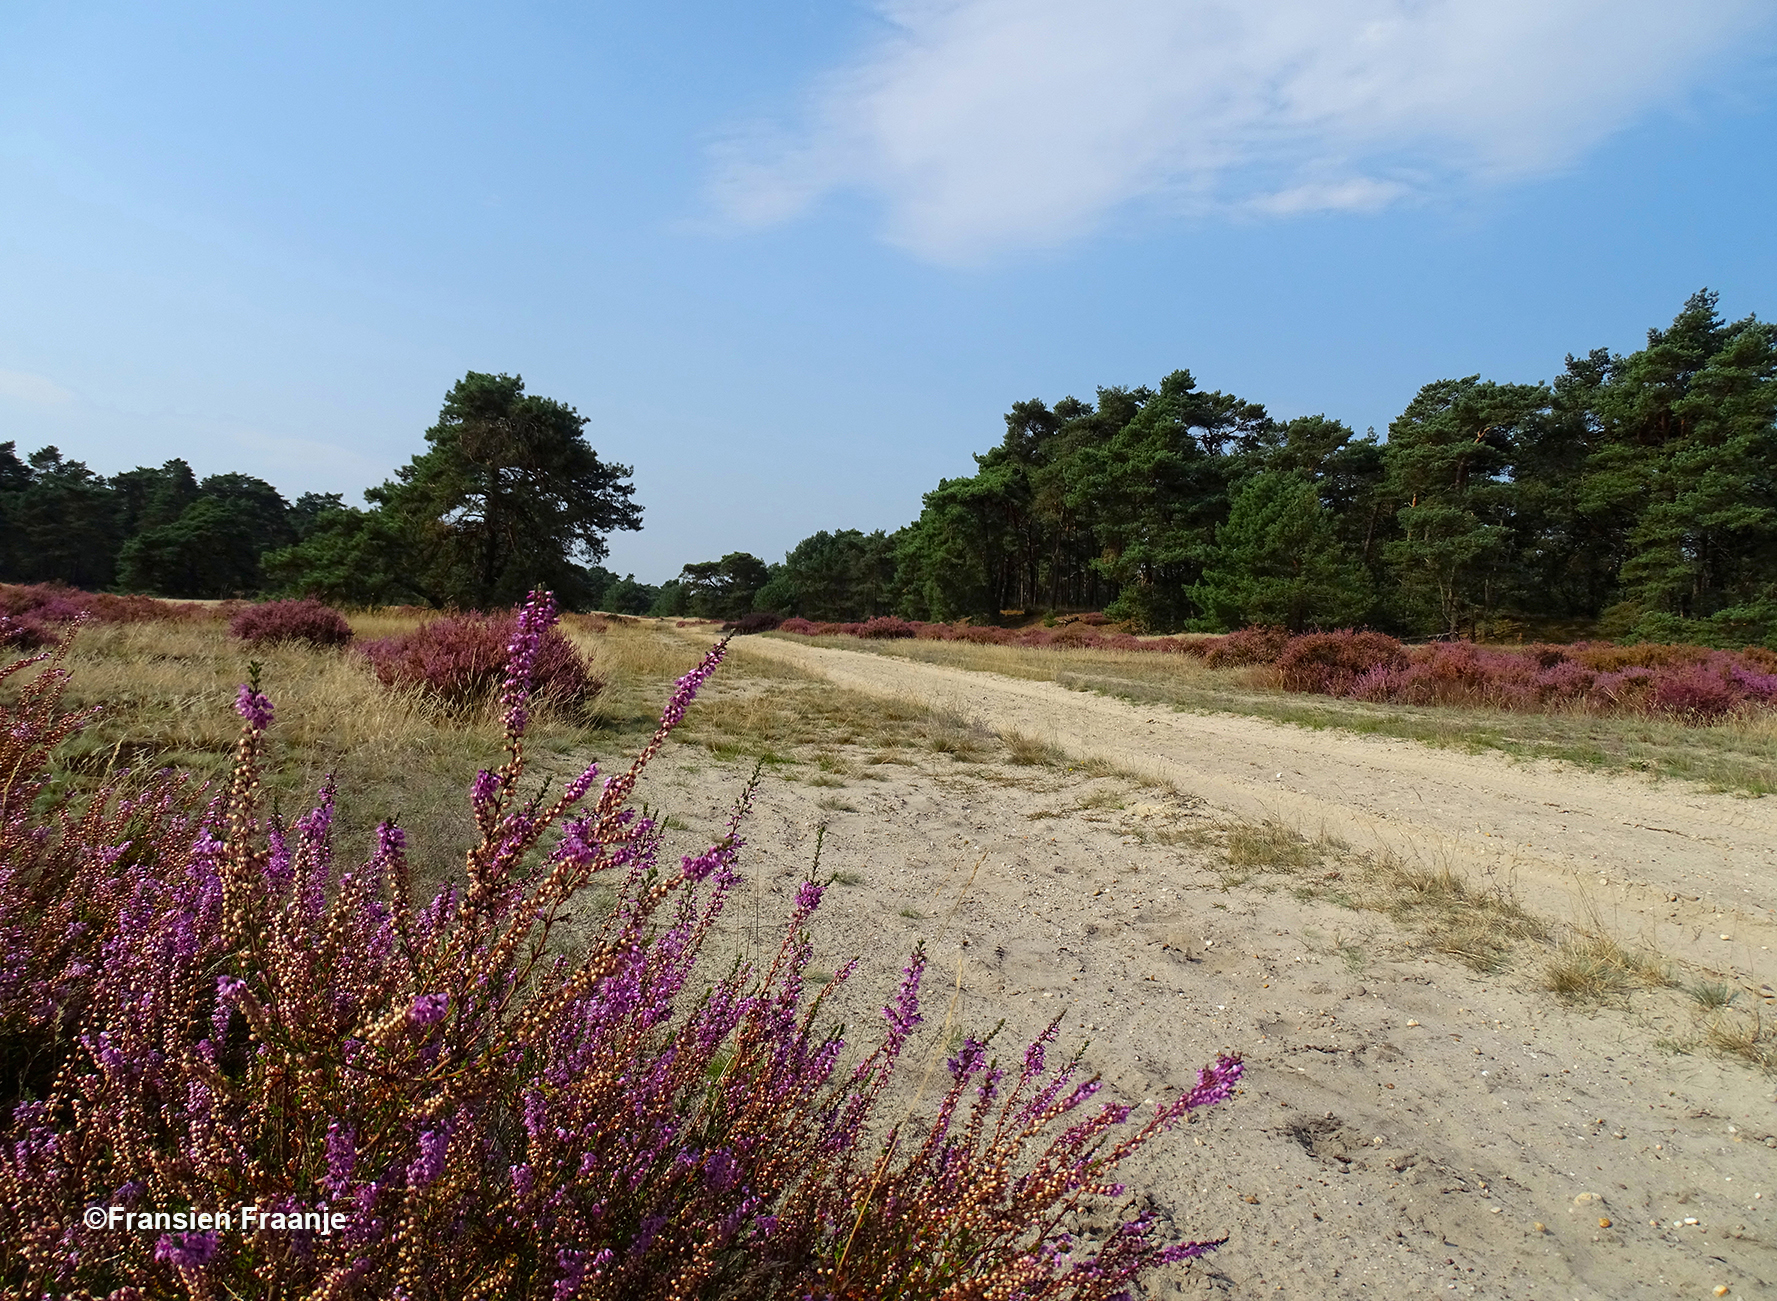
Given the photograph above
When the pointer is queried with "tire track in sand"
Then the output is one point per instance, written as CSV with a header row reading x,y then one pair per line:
x,y
1576,845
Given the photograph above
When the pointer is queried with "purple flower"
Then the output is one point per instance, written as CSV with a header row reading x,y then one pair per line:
x,y
484,789
971,1057
1215,1083
430,1162
342,1158
1188,1251
428,1009
537,617
253,706
903,1014
186,1250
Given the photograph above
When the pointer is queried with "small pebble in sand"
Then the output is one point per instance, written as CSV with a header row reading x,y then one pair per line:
x,y
1721,1289
1540,1227
1412,1023
1604,1221
1726,936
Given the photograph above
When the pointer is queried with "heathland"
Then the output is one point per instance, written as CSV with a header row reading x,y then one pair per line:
x,y
1502,1005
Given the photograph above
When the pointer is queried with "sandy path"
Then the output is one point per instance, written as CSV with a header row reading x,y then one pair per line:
x,y
1575,844
1407,1126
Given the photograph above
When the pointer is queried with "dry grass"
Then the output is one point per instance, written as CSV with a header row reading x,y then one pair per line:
x,y
1590,967
1444,912
1031,752
168,693
1271,846
1480,926
1747,1035
1737,754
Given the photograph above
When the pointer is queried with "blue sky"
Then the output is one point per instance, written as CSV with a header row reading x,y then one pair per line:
x,y
793,261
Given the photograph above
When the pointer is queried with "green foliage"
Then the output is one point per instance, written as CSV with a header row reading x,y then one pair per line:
x,y
1279,562
626,596
59,519
670,601
508,495
347,557
1632,497
716,589
212,548
1448,461
836,576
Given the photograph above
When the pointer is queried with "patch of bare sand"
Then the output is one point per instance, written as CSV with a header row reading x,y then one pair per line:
x,y
1407,1126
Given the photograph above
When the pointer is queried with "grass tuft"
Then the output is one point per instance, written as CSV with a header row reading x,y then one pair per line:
x,y
1712,996
1590,967
1271,846
1032,752
1744,1035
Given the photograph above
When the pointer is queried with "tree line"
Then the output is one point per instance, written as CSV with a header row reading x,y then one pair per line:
x,y
1633,496
507,494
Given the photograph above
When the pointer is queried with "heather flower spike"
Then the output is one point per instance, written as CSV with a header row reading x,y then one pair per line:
x,y
254,706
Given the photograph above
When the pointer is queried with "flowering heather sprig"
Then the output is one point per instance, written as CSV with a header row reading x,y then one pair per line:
x,y
537,617
254,706
216,1013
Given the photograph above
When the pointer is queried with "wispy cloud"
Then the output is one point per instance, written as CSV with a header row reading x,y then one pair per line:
x,y
993,125
33,390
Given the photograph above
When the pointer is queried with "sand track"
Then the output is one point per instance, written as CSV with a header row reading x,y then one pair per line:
x,y
1407,1126
1574,844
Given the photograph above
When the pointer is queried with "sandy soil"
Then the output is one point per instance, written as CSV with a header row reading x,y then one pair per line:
x,y
1408,1127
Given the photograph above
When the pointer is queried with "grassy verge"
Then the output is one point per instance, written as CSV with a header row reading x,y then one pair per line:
x,y
1738,755
167,694
1437,908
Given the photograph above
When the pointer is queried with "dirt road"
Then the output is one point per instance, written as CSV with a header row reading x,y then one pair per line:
x,y
1407,1126
1577,845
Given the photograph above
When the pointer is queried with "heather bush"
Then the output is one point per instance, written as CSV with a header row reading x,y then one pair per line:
x,y
1696,693
1331,662
200,1010
37,613
883,627
1247,646
307,621
461,660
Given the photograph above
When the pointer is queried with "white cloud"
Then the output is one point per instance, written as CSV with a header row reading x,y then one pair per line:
x,y
34,390
988,125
